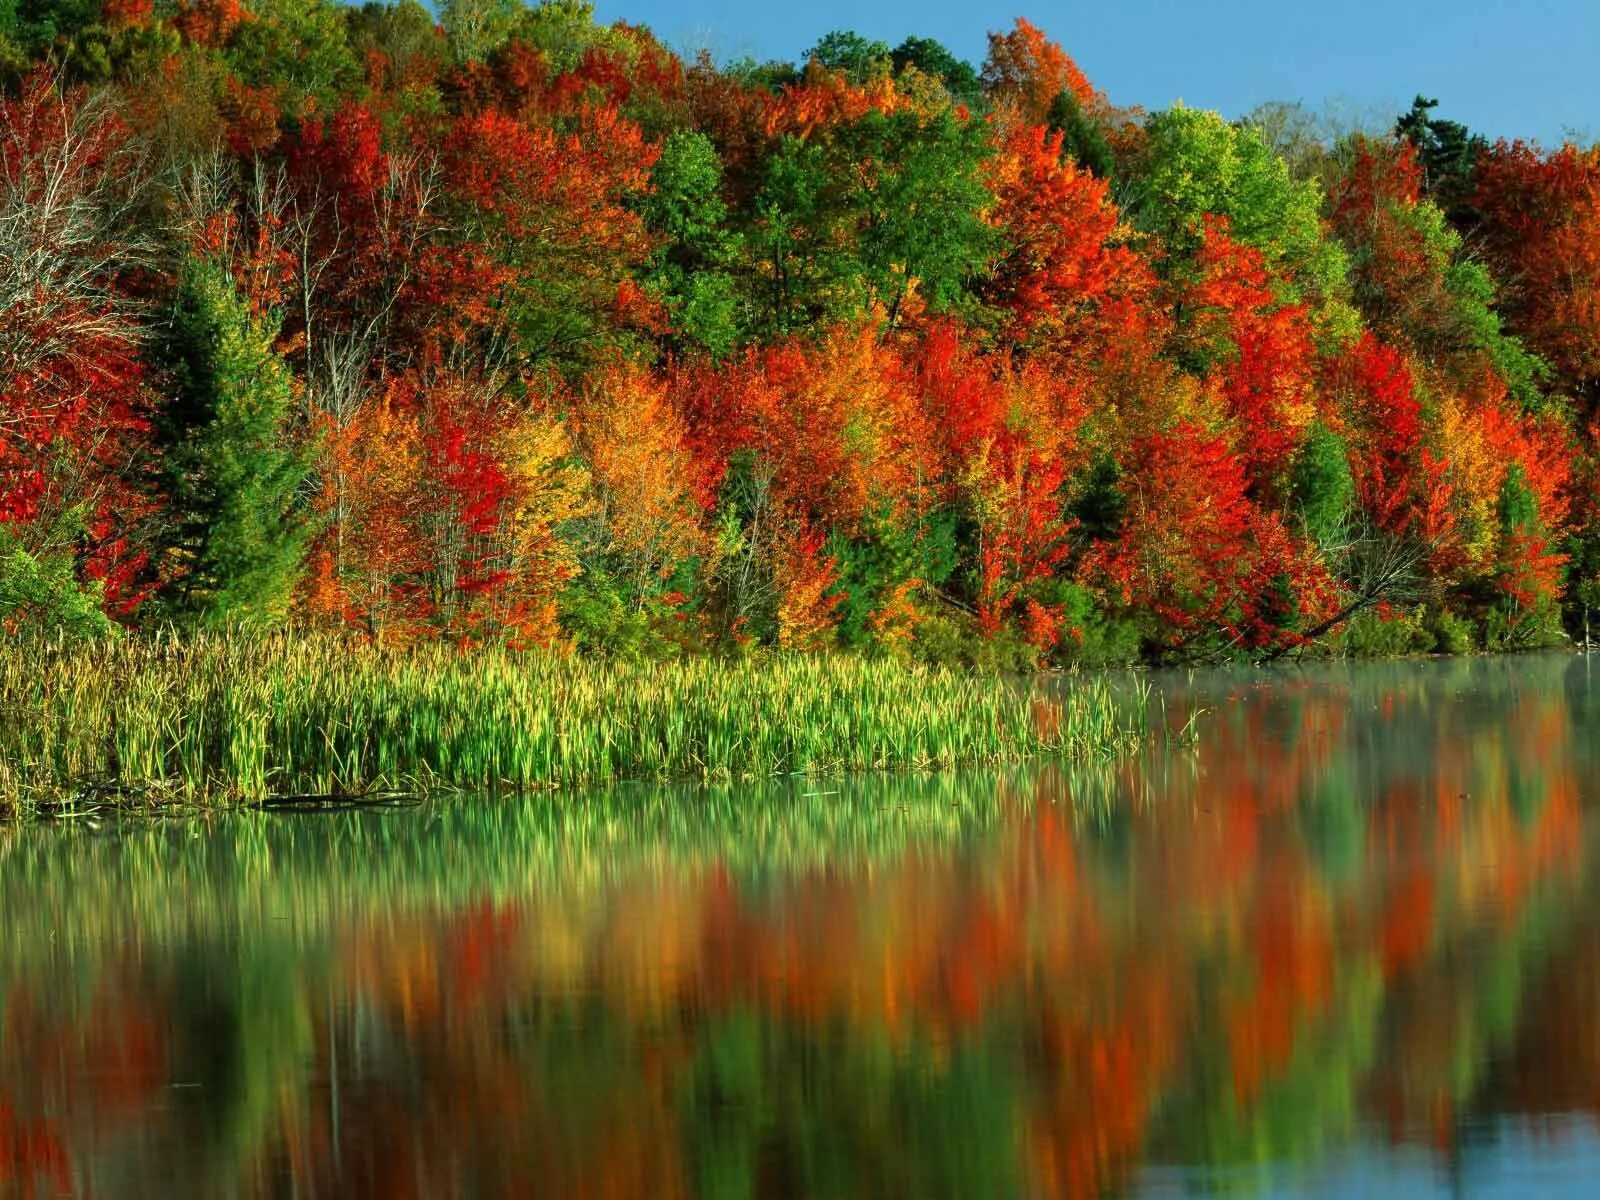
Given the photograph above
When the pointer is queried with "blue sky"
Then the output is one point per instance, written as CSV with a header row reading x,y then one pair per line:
x,y
1523,68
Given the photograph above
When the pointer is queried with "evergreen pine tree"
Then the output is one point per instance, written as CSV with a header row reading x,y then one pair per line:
x,y
1081,139
234,472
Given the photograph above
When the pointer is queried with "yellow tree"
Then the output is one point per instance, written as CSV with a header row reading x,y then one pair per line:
x,y
635,442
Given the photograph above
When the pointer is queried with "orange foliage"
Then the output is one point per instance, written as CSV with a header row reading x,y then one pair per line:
x,y
1199,555
1027,71
443,509
807,595
210,22
1010,442
635,443
1541,225
1267,368
824,98
1062,266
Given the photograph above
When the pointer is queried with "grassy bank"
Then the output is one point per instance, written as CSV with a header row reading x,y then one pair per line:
x,y
211,719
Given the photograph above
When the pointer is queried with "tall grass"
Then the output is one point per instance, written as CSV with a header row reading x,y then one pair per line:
x,y
216,719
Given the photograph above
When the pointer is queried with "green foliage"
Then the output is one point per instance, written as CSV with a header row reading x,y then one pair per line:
x,y
40,593
685,206
476,28
1447,152
1518,509
403,33
1100,504
605,616
845,50
299,45
868,213
1093,637
234,473
1082,140
914,190
1509,631
871,566
564,31
1519,618
767,76
1452,634
1198,163
960,78
36,26
1524,373
1374,634
788,237
600,620
1321,484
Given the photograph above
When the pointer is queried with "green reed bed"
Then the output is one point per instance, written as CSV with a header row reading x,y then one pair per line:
x,y
211,719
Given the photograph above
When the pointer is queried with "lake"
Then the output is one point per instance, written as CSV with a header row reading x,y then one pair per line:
x,y
1348,946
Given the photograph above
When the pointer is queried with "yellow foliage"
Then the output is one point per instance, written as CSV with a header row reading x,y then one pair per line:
x,y
1476,472
636,442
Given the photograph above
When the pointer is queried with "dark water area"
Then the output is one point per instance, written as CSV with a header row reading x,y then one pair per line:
x,y
1349,946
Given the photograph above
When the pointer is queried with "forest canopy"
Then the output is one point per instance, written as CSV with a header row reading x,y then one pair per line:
x,y
506,325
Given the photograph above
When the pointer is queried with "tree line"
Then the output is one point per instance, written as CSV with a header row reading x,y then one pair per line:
x,y
510,326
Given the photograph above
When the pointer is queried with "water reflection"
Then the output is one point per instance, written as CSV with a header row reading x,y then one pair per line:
x,y
1350,945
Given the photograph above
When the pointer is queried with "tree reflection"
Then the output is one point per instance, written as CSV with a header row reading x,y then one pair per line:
x,y
1363,909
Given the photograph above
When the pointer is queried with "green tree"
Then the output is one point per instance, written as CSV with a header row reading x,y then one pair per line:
x,y
1197,163
960,78
476,28
1524,614
35,25
403,33
845,50
1082,140
869,214
1321,484
565,30
41,591
233,472
1448,154
686,208
1099,503
300,45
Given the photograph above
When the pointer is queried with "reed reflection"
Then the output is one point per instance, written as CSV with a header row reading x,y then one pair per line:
x,y
1362,914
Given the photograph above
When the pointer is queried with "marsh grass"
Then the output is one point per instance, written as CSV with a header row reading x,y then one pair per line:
x,y
214,719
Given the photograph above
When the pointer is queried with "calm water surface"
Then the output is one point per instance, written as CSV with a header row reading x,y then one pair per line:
x,y
1350,946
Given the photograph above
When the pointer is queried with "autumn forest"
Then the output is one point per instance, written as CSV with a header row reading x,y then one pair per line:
x,y
502,326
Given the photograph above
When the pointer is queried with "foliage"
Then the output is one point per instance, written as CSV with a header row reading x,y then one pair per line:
x,y
685,207
40,593
1081,139
240,531
1322,487
1447,153
1198,164
933,58
1540,214
525,330
885,212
